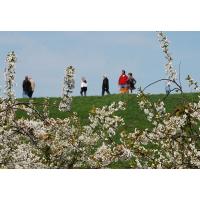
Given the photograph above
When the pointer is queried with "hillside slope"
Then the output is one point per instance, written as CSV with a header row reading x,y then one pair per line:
x,y
133,116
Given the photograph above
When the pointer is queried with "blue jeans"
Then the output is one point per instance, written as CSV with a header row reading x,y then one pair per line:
x,y
123,86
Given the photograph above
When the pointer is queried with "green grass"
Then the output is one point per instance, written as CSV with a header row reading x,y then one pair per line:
x,y
133,116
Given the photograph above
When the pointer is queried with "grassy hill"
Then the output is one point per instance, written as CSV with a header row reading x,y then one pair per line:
x,y
133,116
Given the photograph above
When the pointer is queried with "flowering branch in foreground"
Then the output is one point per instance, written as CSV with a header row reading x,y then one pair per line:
x,y
68,86
164,43
9,91
192,83
10,75
174,140
43,142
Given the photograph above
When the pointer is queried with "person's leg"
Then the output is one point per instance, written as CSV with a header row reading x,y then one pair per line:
x,y
81,92
168,92
85,91
121,88
127,89
103,91
107,90
31,94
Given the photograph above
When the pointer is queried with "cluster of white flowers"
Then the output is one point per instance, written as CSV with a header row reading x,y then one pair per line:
x,y
170,144
155,112
192,83
104,118
171,72
43,142
10,75
174,140
56,143
68,86
6,110
103,126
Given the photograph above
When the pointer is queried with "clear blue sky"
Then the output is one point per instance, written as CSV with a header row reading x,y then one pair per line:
x,y
44,55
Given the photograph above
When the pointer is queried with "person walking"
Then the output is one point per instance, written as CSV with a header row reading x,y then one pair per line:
x,y
26,85
32,87
123,82
105,85
167,87
131,82
83,87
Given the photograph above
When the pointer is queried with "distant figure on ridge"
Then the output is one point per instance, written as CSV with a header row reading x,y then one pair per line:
x,y
123,82
167,87
131,82
105,85
26,87
83,87
32,87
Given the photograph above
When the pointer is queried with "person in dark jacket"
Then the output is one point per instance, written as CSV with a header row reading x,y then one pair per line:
x,y
105,85
32,86
131,82
27,89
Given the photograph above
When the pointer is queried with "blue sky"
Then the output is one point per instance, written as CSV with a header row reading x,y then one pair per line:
x,y
44,55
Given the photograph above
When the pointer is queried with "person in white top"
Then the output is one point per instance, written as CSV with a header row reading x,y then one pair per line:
x,y
83,87
32,86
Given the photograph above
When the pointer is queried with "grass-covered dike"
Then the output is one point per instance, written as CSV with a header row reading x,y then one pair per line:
x,y
133,116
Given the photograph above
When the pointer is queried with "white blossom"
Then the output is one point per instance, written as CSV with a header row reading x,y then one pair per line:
x,y
68,86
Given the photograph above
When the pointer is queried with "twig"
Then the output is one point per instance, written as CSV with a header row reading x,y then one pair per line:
x,y
179,74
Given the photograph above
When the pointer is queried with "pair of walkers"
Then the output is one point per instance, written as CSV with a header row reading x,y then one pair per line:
x,y
126,83
105,86
28,87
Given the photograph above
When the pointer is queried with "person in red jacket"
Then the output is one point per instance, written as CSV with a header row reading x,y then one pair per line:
x,y
123,82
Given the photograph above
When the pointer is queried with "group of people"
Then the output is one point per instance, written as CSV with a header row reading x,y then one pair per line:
x,y
125,82
28,86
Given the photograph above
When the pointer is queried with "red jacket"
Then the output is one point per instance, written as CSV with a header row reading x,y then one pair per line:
x,y
123,79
